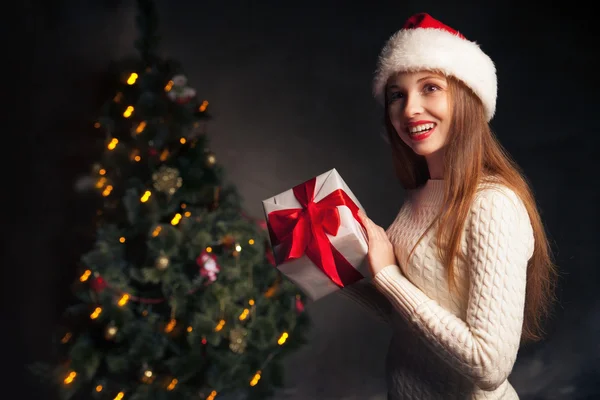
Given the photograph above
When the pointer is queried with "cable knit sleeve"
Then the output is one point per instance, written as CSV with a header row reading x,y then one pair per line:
x,y
366,295
484,346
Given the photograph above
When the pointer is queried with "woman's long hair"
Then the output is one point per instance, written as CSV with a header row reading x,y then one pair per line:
x,y
473,155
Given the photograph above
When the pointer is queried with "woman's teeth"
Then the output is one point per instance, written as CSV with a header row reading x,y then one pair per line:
x,y
420,129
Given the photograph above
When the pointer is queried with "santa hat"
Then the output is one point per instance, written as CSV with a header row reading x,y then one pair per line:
x,y
425,43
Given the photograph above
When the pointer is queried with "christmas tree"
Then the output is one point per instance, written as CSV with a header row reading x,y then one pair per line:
x,y
178,297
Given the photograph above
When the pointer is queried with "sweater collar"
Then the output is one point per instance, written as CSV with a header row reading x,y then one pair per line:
x,y
430,194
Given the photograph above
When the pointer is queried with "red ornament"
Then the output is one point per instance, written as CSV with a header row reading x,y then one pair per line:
x,y
183,100
299,305
98,284
262,224
208,265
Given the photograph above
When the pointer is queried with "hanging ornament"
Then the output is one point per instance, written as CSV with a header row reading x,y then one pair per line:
x,y
228,240
152,152
162,261
208,266
167,180
237,340
179,92
98,284
110,331
299,304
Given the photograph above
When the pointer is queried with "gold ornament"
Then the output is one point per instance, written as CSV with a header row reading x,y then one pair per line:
x,y
237,340
162,262
167,180
228,240
111,331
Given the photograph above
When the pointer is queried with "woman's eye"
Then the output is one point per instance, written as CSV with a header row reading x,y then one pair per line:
x,y
430,88
394,96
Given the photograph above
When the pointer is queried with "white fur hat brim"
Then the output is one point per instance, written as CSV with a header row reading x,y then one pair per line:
x,y
421,49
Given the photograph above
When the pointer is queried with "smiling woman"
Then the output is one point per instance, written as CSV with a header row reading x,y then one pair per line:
x,y
472,276
418,106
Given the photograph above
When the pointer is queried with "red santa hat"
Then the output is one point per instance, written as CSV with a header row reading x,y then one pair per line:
x,y
425,43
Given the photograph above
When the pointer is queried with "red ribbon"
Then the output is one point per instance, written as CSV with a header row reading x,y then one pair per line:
x,y
304,230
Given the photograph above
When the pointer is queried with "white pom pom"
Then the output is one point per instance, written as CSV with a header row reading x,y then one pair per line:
x,y
179,80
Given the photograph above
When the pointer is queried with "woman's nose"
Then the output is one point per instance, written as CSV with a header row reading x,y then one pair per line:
x,y
412,106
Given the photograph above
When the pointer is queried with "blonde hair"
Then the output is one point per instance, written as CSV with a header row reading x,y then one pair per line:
x,y
473,155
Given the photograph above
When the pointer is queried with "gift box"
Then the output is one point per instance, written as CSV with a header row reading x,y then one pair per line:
x,y
316,235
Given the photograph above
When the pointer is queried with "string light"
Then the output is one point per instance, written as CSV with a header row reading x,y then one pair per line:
x,y
145,198
119,396
96,313
244,314
190,329
209,249
176,219
212,395
123,300
132,78
182,140
203,106
65,339
170,326
135,155
111,332
282,338
97,125
107,190
85,276
220,325
211,159
255,379
187,214
148,376
100,183
169,86
128,111
172,384
70,377
156,231
238,248
122,239
113,143
164,155
271,291
251,302
102,171
99,388
140,127
251,242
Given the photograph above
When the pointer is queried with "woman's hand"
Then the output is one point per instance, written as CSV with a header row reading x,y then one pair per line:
x,y
381,252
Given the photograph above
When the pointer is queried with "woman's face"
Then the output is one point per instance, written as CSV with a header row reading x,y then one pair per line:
x,y
419,110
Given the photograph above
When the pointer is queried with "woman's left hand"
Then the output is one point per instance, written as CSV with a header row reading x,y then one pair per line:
x,y
381,252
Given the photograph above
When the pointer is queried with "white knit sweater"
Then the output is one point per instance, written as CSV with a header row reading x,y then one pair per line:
x,y
459,345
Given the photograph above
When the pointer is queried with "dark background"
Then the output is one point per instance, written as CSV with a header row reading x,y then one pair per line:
x,y
289,84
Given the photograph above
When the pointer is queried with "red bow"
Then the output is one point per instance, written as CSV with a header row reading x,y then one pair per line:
x,y
304,230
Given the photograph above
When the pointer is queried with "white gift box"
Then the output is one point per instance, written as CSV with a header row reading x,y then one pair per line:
x,y
350,241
